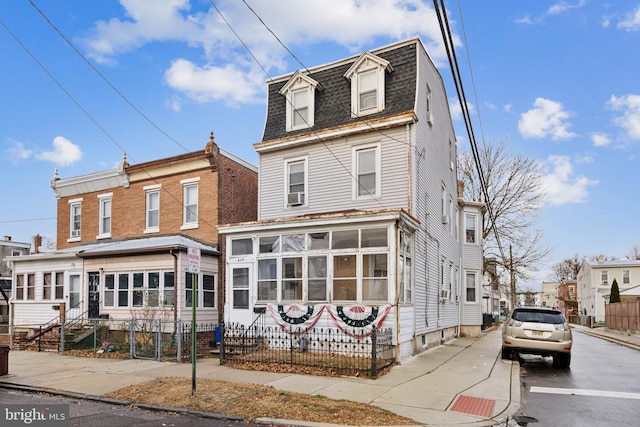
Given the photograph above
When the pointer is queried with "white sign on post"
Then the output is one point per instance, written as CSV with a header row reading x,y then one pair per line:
x,y
193,255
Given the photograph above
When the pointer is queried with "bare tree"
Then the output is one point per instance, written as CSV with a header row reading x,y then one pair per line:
x,y
515,194
635,252
567,268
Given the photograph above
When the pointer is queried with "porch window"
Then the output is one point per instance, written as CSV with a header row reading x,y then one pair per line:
x,y
169,291
374,277
241,246
345,281
46,291
31,286
153,292
317,278
292,279
188,289
267,279
109,290
123,290
138,289
59,285
208,290
20,286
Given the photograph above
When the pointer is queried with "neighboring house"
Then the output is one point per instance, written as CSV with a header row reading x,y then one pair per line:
x,y
359,224
123,236
594,284
549,294
568,297
630,295
8,248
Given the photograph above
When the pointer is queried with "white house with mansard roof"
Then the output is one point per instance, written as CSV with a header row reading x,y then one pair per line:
x,y
359,222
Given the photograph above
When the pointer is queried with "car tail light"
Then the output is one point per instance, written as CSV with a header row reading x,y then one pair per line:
x,y
562,326
516,323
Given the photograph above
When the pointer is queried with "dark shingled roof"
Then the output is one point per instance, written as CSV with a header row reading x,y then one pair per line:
x,y
333,95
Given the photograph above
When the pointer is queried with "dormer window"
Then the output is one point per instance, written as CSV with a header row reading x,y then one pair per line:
x,y
299,92
367,76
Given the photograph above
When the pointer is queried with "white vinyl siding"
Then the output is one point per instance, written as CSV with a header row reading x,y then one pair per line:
x,y
330,179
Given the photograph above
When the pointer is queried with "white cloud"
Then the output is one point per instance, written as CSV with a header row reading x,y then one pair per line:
x,y
563,6
547,119
64,152
204,84
560,184
456,110
630,118
600,139
508,108
631,21
17,151
297,24
524,20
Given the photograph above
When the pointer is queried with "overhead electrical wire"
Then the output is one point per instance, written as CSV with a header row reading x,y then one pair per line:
x,y
457,79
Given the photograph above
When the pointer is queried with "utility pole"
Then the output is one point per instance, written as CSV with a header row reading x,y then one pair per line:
x,y
512,275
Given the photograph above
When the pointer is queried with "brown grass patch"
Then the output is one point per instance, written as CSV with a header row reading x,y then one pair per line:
x,y
252,401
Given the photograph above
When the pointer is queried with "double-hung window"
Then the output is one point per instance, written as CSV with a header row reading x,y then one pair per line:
x,y
367,171
470,228
604,277
190,203
31,286
153,209
75,220
109,290
470,284
625,277
299,93
105,216
296,172
367,76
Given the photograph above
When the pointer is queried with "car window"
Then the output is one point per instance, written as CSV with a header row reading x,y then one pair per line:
x,y
538,317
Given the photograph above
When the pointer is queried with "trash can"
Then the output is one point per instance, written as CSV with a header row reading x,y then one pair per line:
x,y
4,359
218,335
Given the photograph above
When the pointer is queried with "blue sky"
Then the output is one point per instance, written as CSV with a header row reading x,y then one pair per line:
x,y
557,81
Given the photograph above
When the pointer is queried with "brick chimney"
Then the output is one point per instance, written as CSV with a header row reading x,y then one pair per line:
x,y
37,243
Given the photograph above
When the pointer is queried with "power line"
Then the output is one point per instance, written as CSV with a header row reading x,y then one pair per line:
x,y
457,79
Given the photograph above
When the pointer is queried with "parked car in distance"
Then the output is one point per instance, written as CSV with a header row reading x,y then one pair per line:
x,y
540,331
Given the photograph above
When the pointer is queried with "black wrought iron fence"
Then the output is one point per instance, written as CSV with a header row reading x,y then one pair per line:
x,y
342,352
208,336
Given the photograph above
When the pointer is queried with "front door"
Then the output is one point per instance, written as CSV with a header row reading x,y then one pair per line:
x,y
240,279
94,295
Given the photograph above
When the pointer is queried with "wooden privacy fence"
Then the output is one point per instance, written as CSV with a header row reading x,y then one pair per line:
x,y
623,315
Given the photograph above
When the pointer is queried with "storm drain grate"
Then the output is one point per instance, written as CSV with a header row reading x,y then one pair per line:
x,y
474,406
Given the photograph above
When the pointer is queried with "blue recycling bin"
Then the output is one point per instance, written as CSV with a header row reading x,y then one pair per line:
x,y
218,335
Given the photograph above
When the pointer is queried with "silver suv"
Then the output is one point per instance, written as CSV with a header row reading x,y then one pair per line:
x,y
540,331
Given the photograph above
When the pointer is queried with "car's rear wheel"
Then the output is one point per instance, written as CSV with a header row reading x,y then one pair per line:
x,y
562,360
506,353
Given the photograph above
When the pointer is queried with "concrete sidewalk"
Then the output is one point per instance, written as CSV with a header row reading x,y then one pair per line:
x,y
461,382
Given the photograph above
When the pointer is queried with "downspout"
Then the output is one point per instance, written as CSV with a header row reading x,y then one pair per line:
x,y
175,286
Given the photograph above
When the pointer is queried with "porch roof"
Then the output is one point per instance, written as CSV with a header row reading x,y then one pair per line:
x,y
147,245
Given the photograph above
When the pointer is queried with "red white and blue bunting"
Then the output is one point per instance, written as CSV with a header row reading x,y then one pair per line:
x,y
358,321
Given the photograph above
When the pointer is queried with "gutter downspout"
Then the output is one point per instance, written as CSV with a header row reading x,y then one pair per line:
x,y
175,286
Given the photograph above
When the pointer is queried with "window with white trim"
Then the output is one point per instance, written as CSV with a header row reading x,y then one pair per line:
x,y
105,216
604,277
625,277
367,166
405,267
470,285
152,289
190,203
205,290
470,228
299,93
429,106
152,223
367,76
296,173
75,220
31,286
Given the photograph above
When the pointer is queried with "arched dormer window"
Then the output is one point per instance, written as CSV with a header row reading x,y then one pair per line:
x,y
367,76
299,92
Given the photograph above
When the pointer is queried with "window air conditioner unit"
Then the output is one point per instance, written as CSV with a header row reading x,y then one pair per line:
x,y
295,199
75,233
445,219
444,294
